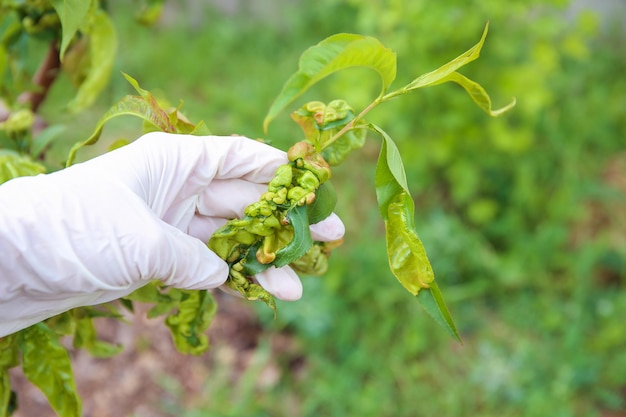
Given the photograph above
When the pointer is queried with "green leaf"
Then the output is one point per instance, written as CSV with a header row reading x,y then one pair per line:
x,y
102,51
335,53
432,301
301,242
447,73
44,138
160,118
72,14
443,71
476,92
324,204
86,337
164,299
390,174
46,363
149,12
127,106
146,107
189,324
5,392
8,359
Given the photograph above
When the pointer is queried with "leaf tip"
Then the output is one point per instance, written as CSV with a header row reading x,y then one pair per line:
x,y
502,110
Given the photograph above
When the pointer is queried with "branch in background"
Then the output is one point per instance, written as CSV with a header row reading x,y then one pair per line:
x,y
43,78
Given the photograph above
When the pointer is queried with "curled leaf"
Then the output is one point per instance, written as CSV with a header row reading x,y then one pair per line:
x,y
407,257
189,324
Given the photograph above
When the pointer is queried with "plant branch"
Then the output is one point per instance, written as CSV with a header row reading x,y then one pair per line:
x,y
43,78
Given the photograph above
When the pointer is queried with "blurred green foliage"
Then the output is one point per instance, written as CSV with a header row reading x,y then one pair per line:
x,y
522,215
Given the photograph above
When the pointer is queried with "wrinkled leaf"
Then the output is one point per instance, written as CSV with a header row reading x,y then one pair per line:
x,y
189,324
348,142
296,248
72,14
335,53
406,253
407,257
102,51
46,364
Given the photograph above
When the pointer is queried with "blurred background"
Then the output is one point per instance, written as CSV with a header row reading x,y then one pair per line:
x,y
523,216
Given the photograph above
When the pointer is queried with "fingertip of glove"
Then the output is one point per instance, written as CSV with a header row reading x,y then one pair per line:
x,y
329,229
282,283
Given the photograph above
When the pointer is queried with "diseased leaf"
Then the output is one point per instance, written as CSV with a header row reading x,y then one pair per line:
x,y
350,141
335,53
102,51
46,364
407,257
189,324
72,14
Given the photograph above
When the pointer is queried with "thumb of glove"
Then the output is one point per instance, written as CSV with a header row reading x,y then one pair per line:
x,y
183,261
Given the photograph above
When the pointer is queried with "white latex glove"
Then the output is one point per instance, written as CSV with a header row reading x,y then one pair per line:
x,y
97,231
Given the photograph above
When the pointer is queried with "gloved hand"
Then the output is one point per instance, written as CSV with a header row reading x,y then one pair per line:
x,y
96,231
